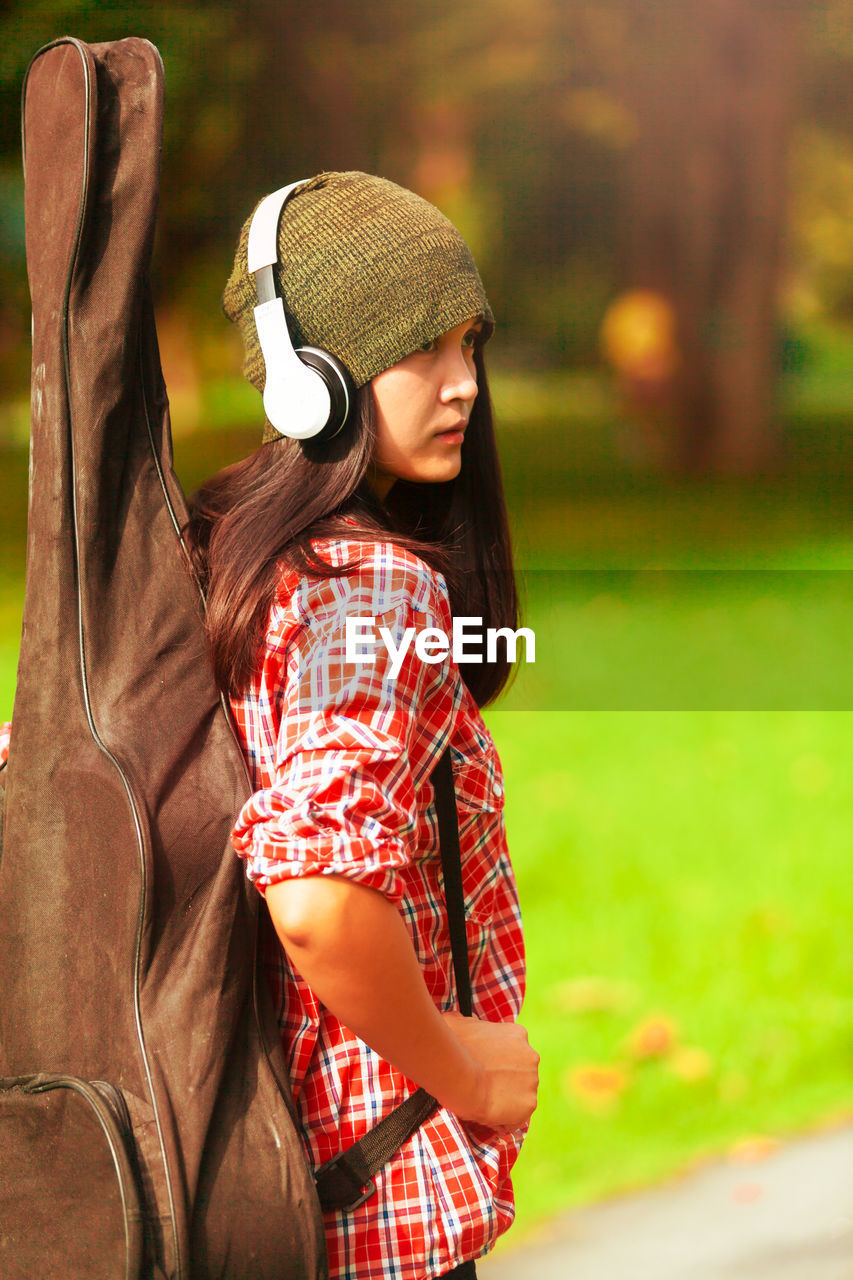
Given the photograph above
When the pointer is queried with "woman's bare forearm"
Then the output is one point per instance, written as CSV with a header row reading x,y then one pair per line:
x,y
351,946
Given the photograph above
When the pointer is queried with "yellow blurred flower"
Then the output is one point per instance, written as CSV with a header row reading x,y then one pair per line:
x,y
690,1063
654,1037
597,1086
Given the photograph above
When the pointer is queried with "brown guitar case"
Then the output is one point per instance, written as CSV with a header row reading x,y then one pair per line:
x,y
146,1126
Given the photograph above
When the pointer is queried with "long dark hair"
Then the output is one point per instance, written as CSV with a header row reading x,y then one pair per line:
x,y
262,513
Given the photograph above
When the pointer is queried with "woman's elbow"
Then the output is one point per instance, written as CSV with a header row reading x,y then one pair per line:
x,y
313,911
293,909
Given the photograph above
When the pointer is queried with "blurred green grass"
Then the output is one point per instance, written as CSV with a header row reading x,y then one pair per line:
x,y
684,865
691,867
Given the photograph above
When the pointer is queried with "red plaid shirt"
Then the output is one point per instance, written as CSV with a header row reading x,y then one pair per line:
x,y
340,755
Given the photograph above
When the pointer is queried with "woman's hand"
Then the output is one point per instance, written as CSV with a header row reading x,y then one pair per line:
x,y
506,1079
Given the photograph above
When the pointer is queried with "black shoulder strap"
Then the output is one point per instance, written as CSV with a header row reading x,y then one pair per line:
x,y
346,1181
451,866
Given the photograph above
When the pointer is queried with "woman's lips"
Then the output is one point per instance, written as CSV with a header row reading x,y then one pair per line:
x,y
453,435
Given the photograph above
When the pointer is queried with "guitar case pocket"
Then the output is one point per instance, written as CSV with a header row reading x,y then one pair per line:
x,y
69,1195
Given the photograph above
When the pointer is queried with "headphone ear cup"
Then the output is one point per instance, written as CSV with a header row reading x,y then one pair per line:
x,y
339,384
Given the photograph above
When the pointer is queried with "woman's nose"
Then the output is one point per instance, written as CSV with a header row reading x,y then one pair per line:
x,y
460,381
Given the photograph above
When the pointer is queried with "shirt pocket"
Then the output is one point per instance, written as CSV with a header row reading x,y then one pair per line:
x,y
479,786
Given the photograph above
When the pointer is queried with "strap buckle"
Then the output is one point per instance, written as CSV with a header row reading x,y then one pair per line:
x,y
342,1187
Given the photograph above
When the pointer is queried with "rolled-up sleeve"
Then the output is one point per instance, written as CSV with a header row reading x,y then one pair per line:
x,y
350,741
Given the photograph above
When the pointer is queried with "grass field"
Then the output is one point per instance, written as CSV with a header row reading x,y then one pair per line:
x,y
684,873
685,884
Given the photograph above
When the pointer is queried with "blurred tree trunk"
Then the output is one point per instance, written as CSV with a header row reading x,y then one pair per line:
x,y
714,92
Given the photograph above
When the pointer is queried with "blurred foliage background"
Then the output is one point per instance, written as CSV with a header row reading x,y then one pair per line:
x,y
660,197
669,183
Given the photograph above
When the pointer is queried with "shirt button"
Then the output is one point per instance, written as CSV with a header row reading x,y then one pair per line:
x,y
498,790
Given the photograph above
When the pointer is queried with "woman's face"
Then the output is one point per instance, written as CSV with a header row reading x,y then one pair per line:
x,y
423,404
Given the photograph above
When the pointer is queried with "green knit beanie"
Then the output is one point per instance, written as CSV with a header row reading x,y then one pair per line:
x,y
368,272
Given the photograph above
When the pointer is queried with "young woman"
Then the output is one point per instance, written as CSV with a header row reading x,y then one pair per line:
x,y
399,519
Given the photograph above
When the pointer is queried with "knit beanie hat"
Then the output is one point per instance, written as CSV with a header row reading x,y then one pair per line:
x,y
368,271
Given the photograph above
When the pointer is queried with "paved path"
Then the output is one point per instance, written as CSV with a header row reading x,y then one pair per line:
x,y
786,1217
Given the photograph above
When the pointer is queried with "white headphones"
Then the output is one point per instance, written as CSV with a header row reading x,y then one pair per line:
x,y
306,390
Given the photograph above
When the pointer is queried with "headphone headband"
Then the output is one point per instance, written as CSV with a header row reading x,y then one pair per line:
x,y
263,232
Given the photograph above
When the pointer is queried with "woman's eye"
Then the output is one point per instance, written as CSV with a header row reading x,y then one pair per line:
x,y
426,347
470,339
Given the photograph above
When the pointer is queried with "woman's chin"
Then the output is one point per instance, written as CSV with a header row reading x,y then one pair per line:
x,y
440,470
431,471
